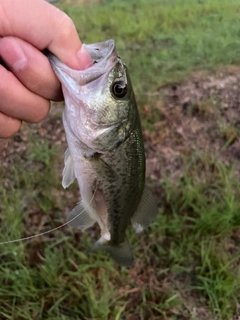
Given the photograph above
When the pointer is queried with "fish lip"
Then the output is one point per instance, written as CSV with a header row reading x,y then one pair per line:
x,y
107,49
103,53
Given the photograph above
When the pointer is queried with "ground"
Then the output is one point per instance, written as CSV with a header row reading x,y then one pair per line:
x,y
187,262
201,114
195,118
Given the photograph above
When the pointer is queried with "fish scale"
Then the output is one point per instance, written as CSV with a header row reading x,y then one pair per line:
x,y
105,150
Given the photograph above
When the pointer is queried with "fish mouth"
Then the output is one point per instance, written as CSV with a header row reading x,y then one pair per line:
x,y
101,52
104,56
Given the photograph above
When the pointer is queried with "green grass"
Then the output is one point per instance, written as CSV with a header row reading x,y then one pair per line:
x,y
188,260
163,41
189,251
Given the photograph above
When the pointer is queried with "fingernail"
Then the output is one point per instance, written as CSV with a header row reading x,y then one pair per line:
x,y
84,59
12,54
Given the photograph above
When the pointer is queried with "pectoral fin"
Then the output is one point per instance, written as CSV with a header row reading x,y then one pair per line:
x,y
80,218
68,171
146,211
121,254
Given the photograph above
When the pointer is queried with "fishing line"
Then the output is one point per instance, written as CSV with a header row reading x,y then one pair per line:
x,y
52,230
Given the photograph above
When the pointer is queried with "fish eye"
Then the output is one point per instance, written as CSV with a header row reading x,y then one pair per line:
x,y
119,89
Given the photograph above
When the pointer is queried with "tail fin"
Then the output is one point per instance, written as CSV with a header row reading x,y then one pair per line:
x,y
121,254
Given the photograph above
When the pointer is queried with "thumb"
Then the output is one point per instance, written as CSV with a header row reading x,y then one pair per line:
x,y
46,27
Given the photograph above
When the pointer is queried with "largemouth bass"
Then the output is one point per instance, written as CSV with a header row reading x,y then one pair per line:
x,y
105,150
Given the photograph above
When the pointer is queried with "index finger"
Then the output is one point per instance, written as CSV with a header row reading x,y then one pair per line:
x,y
44,26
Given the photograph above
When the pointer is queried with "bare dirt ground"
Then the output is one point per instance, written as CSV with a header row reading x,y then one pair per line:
x,y
201,114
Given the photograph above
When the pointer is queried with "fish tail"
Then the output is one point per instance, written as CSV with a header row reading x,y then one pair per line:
x,y
121,254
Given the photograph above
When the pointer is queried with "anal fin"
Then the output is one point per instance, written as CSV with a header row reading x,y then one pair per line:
x,y
146,211
80,218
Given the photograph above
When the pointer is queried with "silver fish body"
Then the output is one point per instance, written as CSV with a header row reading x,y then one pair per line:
x,y
105,150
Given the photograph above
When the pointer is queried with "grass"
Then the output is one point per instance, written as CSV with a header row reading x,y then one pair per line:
x,y
191,242
187,262
163,41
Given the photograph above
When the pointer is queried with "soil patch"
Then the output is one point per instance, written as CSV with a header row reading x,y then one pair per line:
x,y
199,115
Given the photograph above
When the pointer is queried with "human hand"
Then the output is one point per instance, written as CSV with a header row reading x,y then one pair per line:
x,y
28,83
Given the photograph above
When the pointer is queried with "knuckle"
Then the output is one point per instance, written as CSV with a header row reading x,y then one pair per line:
x,y
66,25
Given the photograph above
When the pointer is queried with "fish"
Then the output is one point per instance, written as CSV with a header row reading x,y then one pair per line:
x,y
105,150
